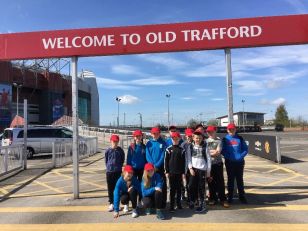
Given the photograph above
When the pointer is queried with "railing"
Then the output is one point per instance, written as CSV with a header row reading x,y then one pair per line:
x,y
11,159
62,151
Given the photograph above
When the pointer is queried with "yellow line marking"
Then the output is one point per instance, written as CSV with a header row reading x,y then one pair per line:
x,y
49,187
82,195
3,191
156,226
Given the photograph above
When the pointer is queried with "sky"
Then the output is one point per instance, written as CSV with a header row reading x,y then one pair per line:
x,y
262,77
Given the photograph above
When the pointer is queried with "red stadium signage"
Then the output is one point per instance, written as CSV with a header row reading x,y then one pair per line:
x,y
205,35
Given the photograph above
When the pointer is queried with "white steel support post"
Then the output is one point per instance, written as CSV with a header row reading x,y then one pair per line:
x,y
75,127
229,84
25,152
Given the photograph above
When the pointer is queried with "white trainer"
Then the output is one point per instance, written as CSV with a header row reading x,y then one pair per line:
x,y
125,210
135,213
110,208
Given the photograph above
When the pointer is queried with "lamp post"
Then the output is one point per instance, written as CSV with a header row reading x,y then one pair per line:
x,y
118,118
140,116
17,105
243,122
168,97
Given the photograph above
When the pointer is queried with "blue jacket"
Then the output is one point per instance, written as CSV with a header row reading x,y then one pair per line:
x,y
136,156
120,188
156,181
169,142
155,152
114,159
234,148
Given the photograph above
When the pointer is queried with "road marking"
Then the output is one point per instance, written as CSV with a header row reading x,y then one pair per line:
x,y
299,150
84,194
49,187
156,226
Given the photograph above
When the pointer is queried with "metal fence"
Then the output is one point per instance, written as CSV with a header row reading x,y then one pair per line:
x,y
11,159
62,151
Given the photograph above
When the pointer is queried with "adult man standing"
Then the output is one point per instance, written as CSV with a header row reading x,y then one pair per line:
x,y
234,149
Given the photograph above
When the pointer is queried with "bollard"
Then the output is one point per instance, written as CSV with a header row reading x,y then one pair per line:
x,y
53,154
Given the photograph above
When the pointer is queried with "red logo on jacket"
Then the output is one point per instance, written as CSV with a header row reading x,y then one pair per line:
x,y
233,143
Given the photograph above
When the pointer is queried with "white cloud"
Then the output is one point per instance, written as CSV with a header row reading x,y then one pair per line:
x,y
277,101
165,60
187,98
113,84
129,99
298,5
217,99
124,69
155,81
204,91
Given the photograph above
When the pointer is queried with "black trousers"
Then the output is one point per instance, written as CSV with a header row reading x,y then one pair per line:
x,y
129,196
112,178
161,172
154,201
138,173
185,188
235,170
175,181
197,185
217,186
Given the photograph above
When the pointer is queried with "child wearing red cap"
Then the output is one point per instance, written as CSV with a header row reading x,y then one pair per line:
x,y
187,146
175,169
136,157
126,190
234,149
152,187
172,129
155,154
199,165
217,185
114,159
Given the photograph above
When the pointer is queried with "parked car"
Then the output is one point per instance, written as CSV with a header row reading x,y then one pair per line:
x,y
279,128
39,138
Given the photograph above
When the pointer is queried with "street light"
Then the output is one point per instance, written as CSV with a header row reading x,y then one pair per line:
x,y
17,87
118,119
168,97
140,116
243,101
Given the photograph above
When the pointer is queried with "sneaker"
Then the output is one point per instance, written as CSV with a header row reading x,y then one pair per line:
x,y
201,209
171,210
110,208
212,202
140,205
225,204
160,215
134,213
191,205
148,211
243,200
125,210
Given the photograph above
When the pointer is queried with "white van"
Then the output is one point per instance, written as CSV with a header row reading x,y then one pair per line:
x,y
39,138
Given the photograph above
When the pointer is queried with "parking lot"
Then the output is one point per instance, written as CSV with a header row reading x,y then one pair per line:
x,y
277,194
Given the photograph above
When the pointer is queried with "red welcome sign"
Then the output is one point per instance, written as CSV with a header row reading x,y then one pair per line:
x,y
205,35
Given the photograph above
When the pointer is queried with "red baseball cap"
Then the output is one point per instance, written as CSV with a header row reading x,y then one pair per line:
x,y
137,133
115,138
128,169
175,134
211,129
231,126
149,167
189,132
155,130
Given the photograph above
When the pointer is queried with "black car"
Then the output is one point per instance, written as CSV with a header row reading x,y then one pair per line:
x,y
279,128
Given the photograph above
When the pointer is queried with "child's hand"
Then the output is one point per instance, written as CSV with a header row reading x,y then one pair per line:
x,y
209,179
116,215
129,189
158,189
192,172
167,175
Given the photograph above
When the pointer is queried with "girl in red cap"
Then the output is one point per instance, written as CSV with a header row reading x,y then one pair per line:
x,y
126,190
151,187
114,159
136,157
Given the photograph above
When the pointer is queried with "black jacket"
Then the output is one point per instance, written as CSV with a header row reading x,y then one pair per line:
x,y
175,160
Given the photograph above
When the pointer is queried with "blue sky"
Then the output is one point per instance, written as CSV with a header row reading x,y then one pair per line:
x,y
263,77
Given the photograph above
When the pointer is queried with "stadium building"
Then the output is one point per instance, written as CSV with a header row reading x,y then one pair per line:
x,y
47,90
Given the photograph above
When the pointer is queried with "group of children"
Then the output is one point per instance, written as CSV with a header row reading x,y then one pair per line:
x,y
187,165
